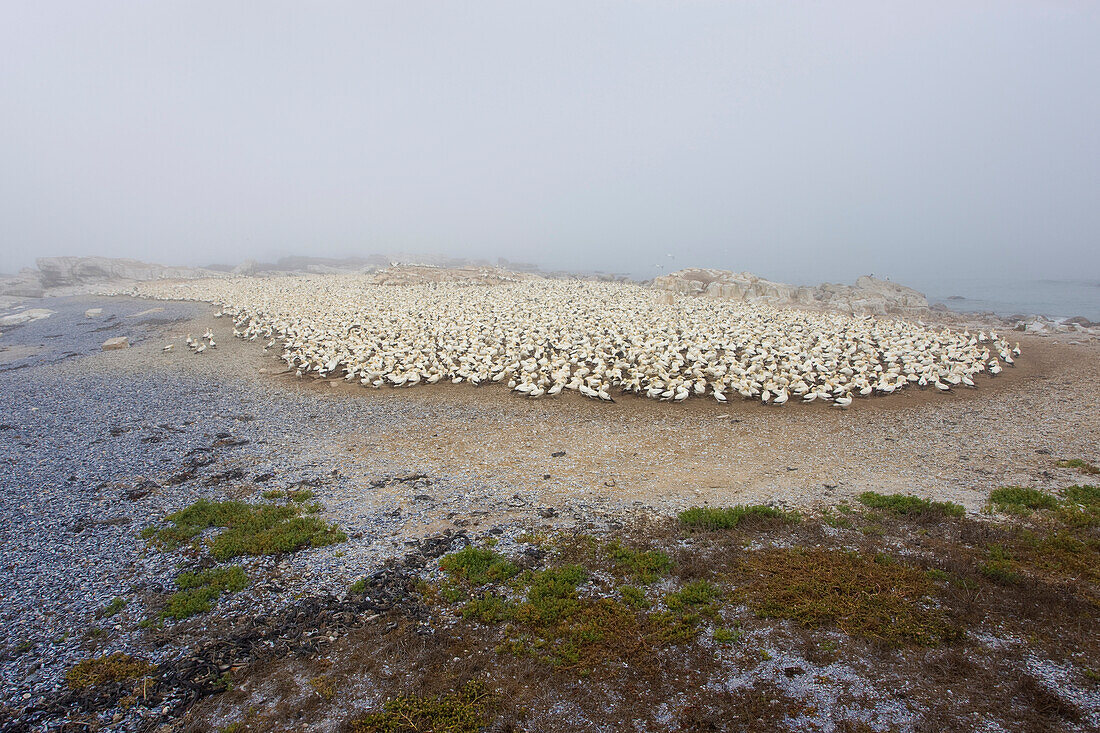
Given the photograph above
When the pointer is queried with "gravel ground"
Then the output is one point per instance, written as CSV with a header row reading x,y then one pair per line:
x,y
90,440
92,444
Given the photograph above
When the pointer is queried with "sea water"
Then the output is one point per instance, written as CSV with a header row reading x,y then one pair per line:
x,y
1054,299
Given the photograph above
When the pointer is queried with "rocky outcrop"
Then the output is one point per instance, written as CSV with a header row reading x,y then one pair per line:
x,y
1077,327
869,296
55,272
26,284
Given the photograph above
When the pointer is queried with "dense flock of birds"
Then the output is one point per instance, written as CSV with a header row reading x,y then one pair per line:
x,y
543,337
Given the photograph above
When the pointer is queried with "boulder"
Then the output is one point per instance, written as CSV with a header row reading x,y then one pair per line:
x,y
27,316
93,313
118,342
898,297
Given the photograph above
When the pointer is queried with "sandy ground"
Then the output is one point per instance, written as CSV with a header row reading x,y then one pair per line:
x,y
958,446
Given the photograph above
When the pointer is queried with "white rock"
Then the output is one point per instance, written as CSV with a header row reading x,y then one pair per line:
x,y
118,342
31,314
93,312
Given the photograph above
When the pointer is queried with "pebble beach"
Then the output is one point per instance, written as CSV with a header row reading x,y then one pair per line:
x,y
98,445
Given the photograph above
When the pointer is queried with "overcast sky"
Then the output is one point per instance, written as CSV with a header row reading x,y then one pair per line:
x,y
803,141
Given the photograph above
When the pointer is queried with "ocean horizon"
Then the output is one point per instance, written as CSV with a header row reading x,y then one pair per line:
x,y
1056,299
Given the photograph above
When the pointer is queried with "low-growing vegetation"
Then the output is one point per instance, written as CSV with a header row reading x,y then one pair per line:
x,y
247,529
323,686
543,614
298,495
644,566
999,566
1058,542
723,635
649,621
908,505
1081,465
477,566
874,597
730,517
117,667
1021,500
1081,505
463,711
198,591
114,607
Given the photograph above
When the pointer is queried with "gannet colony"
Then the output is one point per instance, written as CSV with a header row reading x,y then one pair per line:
x,y
541,337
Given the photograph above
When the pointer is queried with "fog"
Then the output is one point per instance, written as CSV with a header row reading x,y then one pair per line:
x,y
804,141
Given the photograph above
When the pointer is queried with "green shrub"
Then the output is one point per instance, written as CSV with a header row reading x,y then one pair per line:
x,y
1021,499
730,517
645,566
634,597
266,536
698,594
908,505
198,591
478,566
249,529
112,608
999,566
1087,496
726,636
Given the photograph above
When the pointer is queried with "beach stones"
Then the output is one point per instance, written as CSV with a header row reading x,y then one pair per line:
x,y
115,343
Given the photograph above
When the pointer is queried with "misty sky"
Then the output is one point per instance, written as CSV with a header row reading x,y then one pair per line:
x,y
802,141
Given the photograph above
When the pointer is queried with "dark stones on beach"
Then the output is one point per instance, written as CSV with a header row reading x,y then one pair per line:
x,y
141,490
228,442
417,480
233,474
180,478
